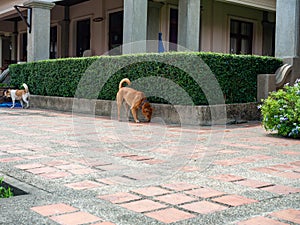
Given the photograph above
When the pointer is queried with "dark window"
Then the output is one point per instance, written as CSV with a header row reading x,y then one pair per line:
x,y
173,31
53,42
241,37
83,36
24,47
115,32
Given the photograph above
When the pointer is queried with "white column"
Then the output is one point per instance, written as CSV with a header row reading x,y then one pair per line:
x,y
287,28
287,42
39,37
189,24
135,26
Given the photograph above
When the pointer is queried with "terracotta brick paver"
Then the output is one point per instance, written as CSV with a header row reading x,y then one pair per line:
x,y
204,207
75,218
151,191
104,223
90,170
234,200
280,189
261,221
42,170
175,199
228,177
29,166
170,215
205,192
83,185
181,186
253,183
120,197
143,205
291,215
49,210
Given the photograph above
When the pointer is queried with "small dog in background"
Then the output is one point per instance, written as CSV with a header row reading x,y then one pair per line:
x,y
135,99
19,95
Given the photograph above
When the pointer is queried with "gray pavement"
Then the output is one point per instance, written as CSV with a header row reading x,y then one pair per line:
x,y
80,169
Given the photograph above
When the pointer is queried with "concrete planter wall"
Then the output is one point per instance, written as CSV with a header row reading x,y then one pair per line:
x,y
185,115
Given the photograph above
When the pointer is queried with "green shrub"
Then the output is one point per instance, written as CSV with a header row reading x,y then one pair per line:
x,y
5,192
281,111
80,77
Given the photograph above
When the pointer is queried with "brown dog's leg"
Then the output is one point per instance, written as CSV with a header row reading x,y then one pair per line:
x,y
119,104
134,114
127,111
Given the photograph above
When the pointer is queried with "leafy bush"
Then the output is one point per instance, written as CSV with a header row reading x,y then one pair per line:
x,y
5,192
281,111
80,77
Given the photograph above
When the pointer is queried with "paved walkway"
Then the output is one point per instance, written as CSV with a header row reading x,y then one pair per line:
x,y
86,170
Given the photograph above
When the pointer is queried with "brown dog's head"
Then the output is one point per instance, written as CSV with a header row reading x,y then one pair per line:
x,y
147,111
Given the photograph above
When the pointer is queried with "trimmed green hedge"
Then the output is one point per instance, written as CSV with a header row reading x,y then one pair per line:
x,y
98,77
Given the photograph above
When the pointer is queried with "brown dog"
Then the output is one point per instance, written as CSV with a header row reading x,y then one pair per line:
x,y
135,99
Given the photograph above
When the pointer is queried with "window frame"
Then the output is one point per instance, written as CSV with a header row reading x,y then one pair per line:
x,y
239,36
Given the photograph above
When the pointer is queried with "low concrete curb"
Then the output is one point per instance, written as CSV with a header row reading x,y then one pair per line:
x,y
178,114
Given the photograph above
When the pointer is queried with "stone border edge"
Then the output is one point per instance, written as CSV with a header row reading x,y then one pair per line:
x,y
235,113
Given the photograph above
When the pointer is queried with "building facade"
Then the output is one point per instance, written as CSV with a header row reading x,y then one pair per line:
x,y
75,28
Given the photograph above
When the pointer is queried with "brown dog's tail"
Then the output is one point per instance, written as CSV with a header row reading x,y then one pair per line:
x,y
125,80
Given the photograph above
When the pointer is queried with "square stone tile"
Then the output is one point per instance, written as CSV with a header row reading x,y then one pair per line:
x,y
56,163
170,215
55,175
203,207
139,158
83,185
281,189
227,177
175,199
291,215
181,186
290,175
49,210
29,166
143,206
104,223
268,170
154,161
111,167
253,183
82,171
11,159
115,180
70,166
205,192
75,218
120,197
42,170
141,176
234,200
190,169
151,191
261,221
